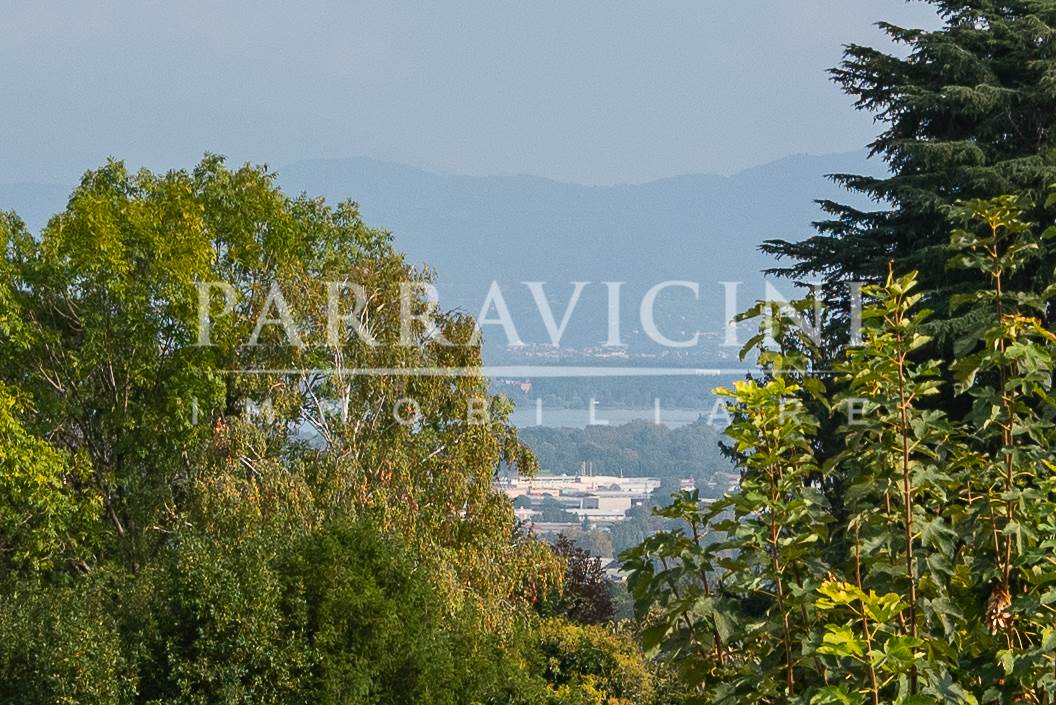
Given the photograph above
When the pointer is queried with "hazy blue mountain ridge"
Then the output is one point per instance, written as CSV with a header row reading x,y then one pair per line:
x,y
475,229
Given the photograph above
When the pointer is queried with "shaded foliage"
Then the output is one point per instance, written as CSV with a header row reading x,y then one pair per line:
x,y
584,595
968,112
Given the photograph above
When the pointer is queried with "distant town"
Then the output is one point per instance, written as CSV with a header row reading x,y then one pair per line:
x,y
583,501
586,504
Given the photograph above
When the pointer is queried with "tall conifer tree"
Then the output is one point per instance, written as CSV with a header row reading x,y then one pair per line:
x,y
968,112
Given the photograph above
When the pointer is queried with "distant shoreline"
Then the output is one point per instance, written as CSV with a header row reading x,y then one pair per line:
x,y
525,416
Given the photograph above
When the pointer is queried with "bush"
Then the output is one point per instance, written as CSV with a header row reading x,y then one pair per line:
x,y
588,665
60,645
208,621
342,615
372,620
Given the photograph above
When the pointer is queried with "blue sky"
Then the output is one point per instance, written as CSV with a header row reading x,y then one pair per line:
x,y
593,91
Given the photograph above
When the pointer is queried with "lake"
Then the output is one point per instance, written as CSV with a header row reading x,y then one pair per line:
x,y
527,415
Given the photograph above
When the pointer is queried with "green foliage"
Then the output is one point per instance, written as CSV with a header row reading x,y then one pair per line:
x,y
588,665
375,624
672,581
49,513
162,543
640,521
61,645
896,468
108,351
343,614
208,625
943,495
967,111
101,337
865,646
931,582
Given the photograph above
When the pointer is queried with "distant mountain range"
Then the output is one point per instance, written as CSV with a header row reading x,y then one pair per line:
x,y
473,230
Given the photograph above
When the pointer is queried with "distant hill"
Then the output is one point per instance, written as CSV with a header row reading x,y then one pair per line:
x,y
472,230
636,449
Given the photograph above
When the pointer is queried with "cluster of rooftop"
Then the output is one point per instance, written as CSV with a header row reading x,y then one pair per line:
x,y
594,500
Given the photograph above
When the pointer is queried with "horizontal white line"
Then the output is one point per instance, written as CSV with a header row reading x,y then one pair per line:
x,y
508,371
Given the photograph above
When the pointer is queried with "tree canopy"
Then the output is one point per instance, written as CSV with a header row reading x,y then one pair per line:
x,y
205,500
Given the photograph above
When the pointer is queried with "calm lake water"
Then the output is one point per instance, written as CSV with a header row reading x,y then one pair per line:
x,y
526,415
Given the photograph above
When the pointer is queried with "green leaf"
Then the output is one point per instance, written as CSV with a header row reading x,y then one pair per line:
x,y
841,641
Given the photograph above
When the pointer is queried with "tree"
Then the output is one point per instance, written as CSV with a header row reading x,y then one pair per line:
x,y
62,644
341,615
136,328
552,511
596,541
934,582
206,621
968,112
584,595
587,664
208,506
49,513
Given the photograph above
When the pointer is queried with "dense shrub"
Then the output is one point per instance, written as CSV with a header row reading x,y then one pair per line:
x,y
61,645
374,626
589,665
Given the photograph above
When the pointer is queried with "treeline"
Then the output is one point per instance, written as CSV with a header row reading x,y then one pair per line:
x,y
166,533
640,448
617,392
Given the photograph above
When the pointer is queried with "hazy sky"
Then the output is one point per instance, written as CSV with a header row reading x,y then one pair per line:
x,y
593,91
